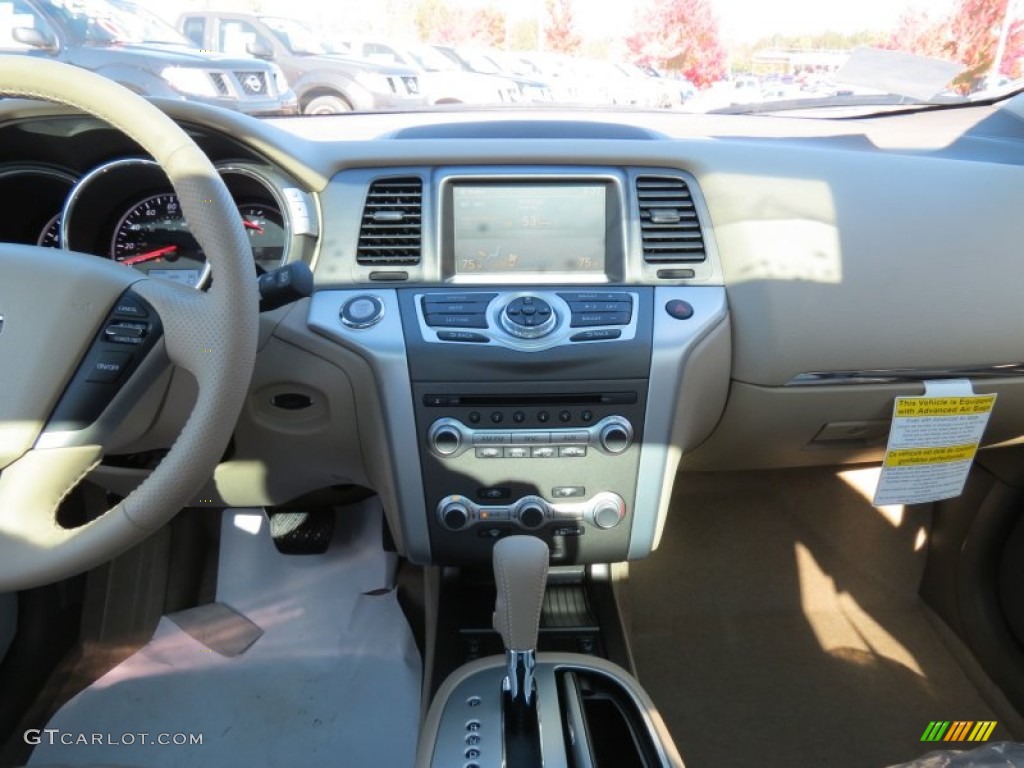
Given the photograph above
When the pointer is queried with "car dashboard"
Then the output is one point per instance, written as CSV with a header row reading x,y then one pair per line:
x,y
531,321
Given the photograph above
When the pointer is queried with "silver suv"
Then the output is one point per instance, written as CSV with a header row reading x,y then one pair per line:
x,y
325,82
133,47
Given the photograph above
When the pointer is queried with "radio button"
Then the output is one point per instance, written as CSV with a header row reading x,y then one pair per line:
x,y
491,438
601,334
464,336
522,452
531,438
572,451
576,436
490,453
494,493
543,452
568,491
456,321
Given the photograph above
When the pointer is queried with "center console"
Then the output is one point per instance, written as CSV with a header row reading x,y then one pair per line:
x,y
537,366
523,424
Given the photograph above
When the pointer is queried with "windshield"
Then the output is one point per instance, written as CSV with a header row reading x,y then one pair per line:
x,y
96,22
296,36
686,55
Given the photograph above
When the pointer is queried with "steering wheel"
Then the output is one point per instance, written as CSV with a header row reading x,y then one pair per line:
x,y
53,305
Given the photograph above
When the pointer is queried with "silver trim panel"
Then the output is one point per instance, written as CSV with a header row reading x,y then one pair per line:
x,y
904,375
383,347
673,342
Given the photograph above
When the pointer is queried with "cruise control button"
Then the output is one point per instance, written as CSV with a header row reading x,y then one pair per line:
x,y
108,367
464,336
129,307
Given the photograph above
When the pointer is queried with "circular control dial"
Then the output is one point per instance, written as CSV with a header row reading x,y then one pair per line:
x,y
454,515
363,311
528,317
531,511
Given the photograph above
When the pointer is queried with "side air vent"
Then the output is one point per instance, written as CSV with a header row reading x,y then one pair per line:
x,y
391,231
669,227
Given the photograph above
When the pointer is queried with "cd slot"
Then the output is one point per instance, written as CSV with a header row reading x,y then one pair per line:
x,y
521,400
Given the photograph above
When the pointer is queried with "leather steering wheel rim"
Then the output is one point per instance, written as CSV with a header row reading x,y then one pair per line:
x,y
211,334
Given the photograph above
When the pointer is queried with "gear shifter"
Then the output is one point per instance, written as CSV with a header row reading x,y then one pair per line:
x,y
520,574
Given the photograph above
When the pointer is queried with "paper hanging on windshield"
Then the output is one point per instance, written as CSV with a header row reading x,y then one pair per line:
x,y
932,443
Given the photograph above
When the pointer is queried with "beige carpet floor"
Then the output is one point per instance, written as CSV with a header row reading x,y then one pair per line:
x,y
778,624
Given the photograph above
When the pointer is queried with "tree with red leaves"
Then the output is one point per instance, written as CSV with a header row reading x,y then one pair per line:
x,y
968,36
560,29
680,36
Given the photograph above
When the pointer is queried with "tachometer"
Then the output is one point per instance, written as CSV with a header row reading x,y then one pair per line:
x,y
154,238
50,236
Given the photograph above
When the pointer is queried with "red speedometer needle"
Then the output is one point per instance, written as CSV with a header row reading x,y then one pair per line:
x,y
150,255
252,225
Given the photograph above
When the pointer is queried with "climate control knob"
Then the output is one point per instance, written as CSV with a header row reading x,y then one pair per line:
x,y
608,511
531,512
615,436
454,515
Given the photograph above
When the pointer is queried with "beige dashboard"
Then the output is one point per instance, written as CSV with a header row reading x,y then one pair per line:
x,y
857,258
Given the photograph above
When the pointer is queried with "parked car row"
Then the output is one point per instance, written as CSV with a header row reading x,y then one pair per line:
x,y
266,65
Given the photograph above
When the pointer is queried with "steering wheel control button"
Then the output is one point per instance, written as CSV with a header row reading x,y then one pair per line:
x,y
528,317
108,367
599,334
679,309
126,332
464,336
128,307
363,311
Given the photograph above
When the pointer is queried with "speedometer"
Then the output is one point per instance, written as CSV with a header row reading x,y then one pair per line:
x,y
153,237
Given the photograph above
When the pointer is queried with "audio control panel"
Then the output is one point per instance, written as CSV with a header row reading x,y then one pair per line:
x,y
553,459
528,319
450,438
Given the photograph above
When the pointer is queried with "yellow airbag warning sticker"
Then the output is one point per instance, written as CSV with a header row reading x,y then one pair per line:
x,y
932,443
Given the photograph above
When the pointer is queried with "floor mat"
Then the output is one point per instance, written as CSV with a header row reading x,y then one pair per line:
x,y
778,624
334,679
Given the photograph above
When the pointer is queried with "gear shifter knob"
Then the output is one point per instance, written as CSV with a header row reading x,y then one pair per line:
x,y
520,575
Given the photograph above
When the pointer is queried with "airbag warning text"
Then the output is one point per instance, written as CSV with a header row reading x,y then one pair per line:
x,y
932,443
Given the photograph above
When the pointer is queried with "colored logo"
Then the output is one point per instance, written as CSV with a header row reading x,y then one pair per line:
x,y
959,730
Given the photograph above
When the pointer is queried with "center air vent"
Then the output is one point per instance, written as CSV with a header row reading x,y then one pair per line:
x,y
391,230
669,227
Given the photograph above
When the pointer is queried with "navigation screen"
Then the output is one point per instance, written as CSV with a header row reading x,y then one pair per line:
x,y
528,228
